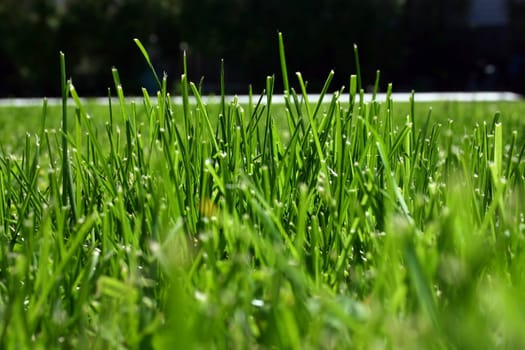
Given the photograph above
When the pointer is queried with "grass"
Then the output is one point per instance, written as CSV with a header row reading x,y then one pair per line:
x,y
317,224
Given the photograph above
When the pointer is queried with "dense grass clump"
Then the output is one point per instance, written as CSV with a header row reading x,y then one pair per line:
x,y
318,224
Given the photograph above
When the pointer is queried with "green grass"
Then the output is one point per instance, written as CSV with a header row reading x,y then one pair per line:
x,y
317,224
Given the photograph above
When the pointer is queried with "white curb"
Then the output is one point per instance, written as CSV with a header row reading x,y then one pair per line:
x,y
279,99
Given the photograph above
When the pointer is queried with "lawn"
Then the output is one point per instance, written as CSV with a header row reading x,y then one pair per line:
x,y
314,224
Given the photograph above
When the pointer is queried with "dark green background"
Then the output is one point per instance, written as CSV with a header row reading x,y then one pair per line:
x,y
417,44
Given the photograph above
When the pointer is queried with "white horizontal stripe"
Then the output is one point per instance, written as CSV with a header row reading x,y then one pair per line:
x,y
279,99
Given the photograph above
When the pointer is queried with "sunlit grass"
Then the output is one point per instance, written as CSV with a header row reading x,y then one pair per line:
x,y
315,224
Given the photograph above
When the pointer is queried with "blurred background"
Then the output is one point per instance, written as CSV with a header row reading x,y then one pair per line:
x,y
426,45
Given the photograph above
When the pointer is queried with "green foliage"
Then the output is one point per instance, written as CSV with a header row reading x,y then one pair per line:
x,y
420,44
332,223
21,22
94,33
